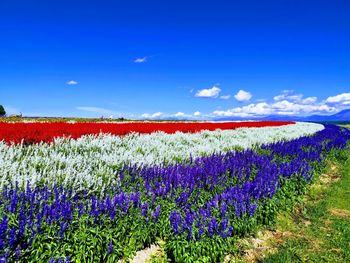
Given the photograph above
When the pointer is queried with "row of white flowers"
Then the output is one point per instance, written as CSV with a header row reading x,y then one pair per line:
x,y
90,162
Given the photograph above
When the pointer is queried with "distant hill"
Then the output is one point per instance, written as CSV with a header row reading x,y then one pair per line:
x,y
343,115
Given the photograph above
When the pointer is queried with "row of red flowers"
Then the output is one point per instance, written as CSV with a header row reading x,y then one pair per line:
x,y
46,132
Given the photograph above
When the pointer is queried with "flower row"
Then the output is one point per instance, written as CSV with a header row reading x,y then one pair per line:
x,y
90,162
29,133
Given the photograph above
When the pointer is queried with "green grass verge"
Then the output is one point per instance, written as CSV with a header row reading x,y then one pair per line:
x,y
319,230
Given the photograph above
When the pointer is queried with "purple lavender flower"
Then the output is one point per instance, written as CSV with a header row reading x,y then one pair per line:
x,y
2,245
144,209
156,213
12,237
175,221
18,252
252,209
3,227
224,224
81,209
223,209
189,219
212,226
63,227
200,229
13,203
110,247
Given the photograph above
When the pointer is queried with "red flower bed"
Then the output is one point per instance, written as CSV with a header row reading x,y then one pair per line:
x,y
46,132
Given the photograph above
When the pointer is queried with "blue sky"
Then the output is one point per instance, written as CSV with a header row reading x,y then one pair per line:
x,y
192,59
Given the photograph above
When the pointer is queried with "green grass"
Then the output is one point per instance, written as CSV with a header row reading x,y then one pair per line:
x,y
319,230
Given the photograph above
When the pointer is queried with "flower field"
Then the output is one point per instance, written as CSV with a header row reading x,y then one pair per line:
x,y
100,192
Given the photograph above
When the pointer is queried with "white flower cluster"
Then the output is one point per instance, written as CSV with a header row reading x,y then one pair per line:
x,y
91,161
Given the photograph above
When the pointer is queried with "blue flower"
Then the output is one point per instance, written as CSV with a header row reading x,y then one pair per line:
x,y
110,247
156,213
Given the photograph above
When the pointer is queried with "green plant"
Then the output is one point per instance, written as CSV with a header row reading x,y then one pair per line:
x,y
2,111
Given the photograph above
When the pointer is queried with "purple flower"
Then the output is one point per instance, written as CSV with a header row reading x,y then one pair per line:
x,y
224,224
252,209
13,203
81,209
175,221
63,227
156,213
12,237
200,229
212,226
189,219
110,247
3,227
223,209
144,209
2,245
18,252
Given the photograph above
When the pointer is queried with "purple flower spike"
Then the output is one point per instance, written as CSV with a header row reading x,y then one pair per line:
x,y
110,247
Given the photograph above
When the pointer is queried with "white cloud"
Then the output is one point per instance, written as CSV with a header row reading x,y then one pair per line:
x,y
295,97
288,95
225,97
197,114
309,100
242,96
97,110
146,115
140,60
250,110
156,115
208,93
343,98
180,114
72,82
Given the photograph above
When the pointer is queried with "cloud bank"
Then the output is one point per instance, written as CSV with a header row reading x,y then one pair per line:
x,y
287,103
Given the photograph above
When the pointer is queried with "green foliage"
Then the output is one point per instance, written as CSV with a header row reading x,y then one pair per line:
x,y
2,111
207,250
